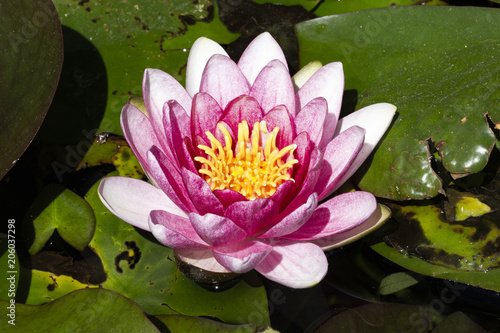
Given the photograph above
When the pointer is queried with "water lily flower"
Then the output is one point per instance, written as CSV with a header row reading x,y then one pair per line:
x,y
241,163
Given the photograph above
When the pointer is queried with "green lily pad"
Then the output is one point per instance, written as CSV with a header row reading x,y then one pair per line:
x,y
59,208
487,280
31,59
439,66
140,268
47,287
131,36
86,310
113,149
425,232
181,324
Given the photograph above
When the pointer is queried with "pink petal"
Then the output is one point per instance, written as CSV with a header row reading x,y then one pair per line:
x,y
294,264
262,50
279,117
306,184
311,119
228,197
201,51
243,108
139,133
159,87
273,86
381,214
200,193
328,130
253,215
168,179
205,114
327,82
242,257
223,80
203,259
294,220
375,119
177,125
174,231
338,157
339,214
217,230
132,200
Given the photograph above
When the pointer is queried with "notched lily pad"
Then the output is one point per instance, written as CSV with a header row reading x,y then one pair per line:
x,y
59,208
445,84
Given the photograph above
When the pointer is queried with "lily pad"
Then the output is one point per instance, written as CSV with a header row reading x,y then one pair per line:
x,y
131,36
420,59
30,58
113,149
140,268
86,310
181,324
59,208
487,280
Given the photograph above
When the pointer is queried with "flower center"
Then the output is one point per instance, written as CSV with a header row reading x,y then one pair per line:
x,y
255,169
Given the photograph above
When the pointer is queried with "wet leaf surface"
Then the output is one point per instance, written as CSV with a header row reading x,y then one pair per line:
x,y
393,55
30,58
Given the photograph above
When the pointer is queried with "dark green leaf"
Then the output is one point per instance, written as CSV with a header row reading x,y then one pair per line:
x,y
30,62
445,85
396,282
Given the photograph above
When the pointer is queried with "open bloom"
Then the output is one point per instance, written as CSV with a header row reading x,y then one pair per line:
x,y
241,160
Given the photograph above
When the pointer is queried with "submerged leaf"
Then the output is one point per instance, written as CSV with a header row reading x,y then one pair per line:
x,y
396,282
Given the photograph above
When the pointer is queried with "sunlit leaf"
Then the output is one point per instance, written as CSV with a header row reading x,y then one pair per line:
x,y
59,208
443,78
86,310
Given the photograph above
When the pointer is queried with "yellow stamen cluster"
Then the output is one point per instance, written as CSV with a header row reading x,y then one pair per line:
x,y
255,169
